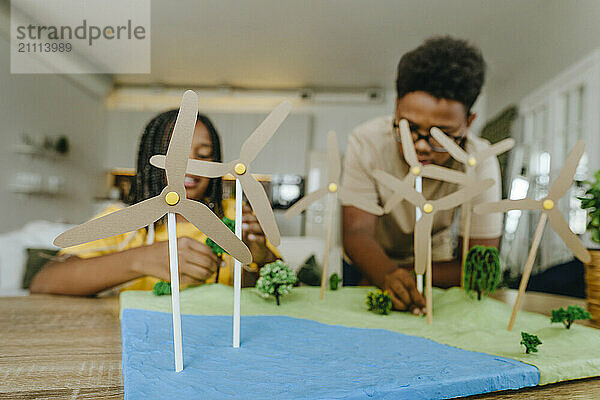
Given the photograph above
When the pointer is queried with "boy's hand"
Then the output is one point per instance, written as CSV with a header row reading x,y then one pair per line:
x,y
196,261
401,286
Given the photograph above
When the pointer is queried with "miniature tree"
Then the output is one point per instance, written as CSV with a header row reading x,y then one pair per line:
x,y
276,279
591,202
334,281
161,288
482,270
531,342
379,302
568,316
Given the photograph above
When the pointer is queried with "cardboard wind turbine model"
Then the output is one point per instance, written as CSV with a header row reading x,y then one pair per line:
x,y
424,225
415,174
244,181
334,170
170,201
549,212
471,162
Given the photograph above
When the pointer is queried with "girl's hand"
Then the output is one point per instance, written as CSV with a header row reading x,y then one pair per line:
x,y
196,261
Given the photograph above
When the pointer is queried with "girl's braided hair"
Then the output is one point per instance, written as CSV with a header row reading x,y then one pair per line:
x,y
149,181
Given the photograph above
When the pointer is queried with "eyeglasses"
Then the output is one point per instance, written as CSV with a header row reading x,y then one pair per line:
x,y
434,144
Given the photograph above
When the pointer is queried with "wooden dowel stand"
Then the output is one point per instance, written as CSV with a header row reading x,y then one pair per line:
x,y
327,244
466,239
537,238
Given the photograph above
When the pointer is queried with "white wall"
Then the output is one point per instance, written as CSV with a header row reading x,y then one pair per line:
x,y
48,105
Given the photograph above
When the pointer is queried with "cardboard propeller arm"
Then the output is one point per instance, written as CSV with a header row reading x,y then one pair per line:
x,y
125,220
181,139
495,149
207,169
303,203
408,146
443,174
334,168
463,195
564,181
261,206
422,239
398,185
450,145
506,205
263,133
561,227
206,221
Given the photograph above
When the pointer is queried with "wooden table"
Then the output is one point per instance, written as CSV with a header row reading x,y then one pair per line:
x,y
70,348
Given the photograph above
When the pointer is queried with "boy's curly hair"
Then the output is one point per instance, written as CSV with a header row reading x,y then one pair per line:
x,y
445,67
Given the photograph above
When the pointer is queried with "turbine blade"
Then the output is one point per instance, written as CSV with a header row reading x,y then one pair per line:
x,y
207,169
181,140
463,195
507,205
495,149
422,240
125,220
334,168
207,222
408,145
261,206
304,202
561,227
353,199
393,202
450,145
565,178
259,138
443,174
397,185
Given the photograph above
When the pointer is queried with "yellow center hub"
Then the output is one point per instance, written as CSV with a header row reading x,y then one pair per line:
x,y
471,161
172,198
427,208
416,170
240,169
332,187
548,204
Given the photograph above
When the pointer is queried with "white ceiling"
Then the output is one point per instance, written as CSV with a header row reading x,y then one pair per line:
x,y
354,43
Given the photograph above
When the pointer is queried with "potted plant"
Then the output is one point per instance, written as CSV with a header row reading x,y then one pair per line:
x,y
482,270
591,202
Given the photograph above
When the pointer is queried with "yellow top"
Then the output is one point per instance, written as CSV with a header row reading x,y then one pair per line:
x,y
139,238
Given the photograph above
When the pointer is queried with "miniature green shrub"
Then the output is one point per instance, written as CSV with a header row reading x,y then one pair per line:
x,y
591,202
218,250
310,272
482,270
334,281
161,288
568,316
276,279
379,302
531,342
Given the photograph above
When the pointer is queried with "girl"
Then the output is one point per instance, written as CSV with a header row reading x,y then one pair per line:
x,y
139,259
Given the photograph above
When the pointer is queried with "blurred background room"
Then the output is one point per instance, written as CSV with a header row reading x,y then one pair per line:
x,y
69,141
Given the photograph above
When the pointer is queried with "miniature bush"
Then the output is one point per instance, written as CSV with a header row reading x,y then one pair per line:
x,y
379,302
568,316
334,281
218,250
161,288
310,272
276,279
531,342
591,202
482,270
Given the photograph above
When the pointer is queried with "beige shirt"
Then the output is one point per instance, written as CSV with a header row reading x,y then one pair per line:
x,y
372,146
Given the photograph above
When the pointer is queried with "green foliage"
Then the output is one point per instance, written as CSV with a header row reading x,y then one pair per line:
x,y
379,302
334,281
218,250
482,270
310,272
161,288
591,202
276,279
568,316
531,342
